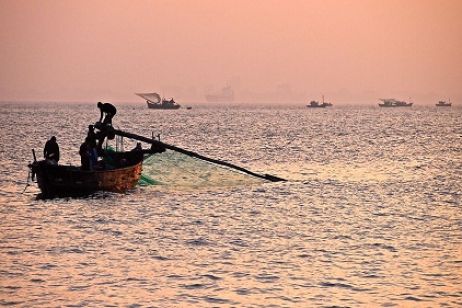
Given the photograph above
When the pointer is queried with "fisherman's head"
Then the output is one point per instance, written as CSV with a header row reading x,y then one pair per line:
x,y
53,138
99,104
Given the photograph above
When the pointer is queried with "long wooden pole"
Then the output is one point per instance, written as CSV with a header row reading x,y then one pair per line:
x,y
268,177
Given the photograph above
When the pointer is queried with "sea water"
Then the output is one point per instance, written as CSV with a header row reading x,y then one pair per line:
x,y
370,215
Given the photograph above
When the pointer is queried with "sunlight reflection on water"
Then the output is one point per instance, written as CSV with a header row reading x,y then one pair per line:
x,y
370,215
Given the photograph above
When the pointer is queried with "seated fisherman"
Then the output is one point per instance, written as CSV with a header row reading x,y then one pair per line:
x,y
51,151
85,155
108,111
137,147
92,145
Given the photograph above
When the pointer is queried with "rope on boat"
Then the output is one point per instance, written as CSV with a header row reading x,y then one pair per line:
x,y
27,182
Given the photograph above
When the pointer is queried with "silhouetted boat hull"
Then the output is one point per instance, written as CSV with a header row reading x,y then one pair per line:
x,y
407,105
443,104
315,104
152,105
394,103
70,181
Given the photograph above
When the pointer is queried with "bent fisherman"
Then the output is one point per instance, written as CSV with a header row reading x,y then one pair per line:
x,y
51,151
108,111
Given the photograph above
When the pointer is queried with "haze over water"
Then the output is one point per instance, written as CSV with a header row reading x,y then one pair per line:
x,y
370,215
351,51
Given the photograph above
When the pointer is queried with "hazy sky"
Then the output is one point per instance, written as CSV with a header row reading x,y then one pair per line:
x,y
284,51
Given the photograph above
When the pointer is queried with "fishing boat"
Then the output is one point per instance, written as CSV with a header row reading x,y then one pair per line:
x,y
119,172
154,101
443,104
116,171
316,104
391,102
111,171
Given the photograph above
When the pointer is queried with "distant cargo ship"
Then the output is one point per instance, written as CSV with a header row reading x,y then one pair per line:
x,y
226,95
391,102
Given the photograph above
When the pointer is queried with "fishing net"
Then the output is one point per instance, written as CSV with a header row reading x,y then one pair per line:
x,y
179,170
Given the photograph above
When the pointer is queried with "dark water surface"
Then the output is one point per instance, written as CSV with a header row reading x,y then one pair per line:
x,y
371,214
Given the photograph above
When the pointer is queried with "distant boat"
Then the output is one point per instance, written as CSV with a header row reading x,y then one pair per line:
x,y
443,104
226,95
391,102
315,104
189,107
154,101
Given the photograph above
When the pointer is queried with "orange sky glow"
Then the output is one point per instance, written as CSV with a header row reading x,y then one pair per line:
x,y
275,51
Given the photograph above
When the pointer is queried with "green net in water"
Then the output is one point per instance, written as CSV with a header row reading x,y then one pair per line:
x,y
176,169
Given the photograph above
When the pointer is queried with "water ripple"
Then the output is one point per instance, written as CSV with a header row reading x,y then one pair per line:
x,y
370,216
